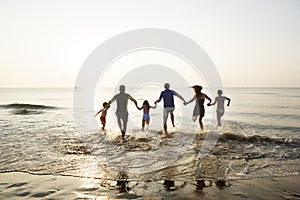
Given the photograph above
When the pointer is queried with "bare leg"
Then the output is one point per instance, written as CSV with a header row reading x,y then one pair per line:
x,y
200,122
219,115
124,120
165,124
143,124
120,123
122,129
147,123
172,119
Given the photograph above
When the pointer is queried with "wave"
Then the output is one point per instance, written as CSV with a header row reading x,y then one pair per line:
x,y
27,106
254,126
267,115
26,112
259,138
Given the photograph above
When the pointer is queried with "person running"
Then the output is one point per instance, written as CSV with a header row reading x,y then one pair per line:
x,y
199,107
146,116
122,111
103,112
219,100
168,96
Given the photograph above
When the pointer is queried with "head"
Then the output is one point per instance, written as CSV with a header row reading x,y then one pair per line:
x,y
122,88
197,89
105,105
145,103
220,92
167,85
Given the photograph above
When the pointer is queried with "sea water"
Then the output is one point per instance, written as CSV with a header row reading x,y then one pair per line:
x,y
260,136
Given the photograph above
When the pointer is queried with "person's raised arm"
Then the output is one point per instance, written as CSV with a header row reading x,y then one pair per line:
x,y
158,100
190,100
154,106
133,100
229,100
179,96
112,100
214,103
107,107
98,112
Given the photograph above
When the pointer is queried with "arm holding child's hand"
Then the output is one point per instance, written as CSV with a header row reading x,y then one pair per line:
x,y
155,105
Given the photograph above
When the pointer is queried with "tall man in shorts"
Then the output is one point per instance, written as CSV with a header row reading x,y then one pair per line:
x,y
168,96
122,112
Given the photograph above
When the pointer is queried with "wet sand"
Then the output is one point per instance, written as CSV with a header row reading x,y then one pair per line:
x,y
19,185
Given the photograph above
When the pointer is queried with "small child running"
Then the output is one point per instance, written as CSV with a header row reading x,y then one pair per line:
x,y
146,116
103,112
219,100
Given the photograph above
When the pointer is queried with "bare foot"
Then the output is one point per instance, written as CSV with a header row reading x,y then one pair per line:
x,y
123,134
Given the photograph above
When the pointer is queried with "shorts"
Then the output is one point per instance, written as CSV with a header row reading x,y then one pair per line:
x,y
103,120
146,117
168,110
122,116
220,111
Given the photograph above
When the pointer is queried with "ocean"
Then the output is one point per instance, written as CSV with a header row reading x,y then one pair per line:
x,y
260,137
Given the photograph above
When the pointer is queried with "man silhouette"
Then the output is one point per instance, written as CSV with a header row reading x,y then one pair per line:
x,y
122,111
168,96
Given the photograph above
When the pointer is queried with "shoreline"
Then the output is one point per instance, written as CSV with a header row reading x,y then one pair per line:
x,y
21,185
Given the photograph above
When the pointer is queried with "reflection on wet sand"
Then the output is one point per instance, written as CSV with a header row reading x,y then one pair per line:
x,y
67,187
122,184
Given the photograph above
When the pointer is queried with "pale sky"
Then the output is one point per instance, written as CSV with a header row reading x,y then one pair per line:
x,y
253,43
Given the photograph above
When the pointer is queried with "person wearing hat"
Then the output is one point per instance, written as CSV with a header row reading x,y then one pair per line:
x,y
168,96
199,107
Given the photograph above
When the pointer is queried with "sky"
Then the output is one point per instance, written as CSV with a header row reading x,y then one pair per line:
x,y
252,43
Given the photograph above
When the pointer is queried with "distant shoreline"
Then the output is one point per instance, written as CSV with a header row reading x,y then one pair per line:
x,y
246,87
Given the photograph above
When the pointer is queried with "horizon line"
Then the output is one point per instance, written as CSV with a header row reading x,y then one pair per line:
x,y
68,87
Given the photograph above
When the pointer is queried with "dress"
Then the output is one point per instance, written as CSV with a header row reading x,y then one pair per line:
x,y
199,108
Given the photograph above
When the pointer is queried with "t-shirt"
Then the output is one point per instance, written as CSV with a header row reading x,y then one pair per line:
x,y
168,97
122,101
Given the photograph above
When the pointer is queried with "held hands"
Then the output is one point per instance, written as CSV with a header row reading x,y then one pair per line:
x,y
209,104
136,105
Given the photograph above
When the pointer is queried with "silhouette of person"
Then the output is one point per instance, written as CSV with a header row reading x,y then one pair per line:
x,y
219,100
122,112
103,112
199,107
168,96
146,115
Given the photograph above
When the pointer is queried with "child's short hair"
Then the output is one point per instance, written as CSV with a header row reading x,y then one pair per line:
x,y
105,104
220,92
